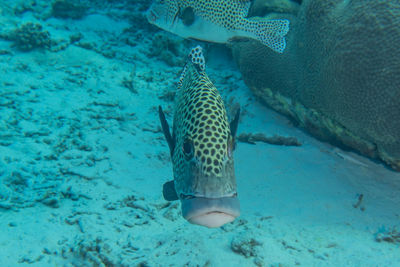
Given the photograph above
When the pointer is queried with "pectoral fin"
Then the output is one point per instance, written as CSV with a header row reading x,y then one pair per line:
x,y
165,128
234,124
169,192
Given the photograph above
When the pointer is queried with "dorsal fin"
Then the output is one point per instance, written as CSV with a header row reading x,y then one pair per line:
x,y
165,128
182,77
245,4
196,56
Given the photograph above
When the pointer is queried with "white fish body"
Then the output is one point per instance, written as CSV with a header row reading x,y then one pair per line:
x,y
217,21
205,30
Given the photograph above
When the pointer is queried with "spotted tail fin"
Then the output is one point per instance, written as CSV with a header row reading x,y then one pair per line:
x,y
271,32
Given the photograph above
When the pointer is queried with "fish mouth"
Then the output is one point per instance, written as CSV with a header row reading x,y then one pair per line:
x,y
210,212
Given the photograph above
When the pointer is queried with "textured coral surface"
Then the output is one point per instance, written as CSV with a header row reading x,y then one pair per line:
x,y
342,61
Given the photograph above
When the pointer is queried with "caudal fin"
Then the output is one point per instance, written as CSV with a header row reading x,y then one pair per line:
x,y
271,32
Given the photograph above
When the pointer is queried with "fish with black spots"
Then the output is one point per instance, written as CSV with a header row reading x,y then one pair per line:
x,y
217,21
201,147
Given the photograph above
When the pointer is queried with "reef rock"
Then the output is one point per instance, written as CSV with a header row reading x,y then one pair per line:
x,y
339,77
29,36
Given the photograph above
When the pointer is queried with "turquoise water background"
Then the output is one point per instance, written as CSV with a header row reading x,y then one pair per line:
x,y
83,158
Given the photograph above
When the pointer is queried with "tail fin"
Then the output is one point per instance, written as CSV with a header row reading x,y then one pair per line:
x,y
271,32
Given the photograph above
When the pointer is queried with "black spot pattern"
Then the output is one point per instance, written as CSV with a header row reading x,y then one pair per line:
x,y
232,15
226,13
200,115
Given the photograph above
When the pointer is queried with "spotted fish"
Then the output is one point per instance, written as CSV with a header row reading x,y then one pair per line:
x,y
217,21
201,147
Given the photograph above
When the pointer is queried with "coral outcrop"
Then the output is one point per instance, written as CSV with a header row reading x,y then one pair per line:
x,y
170,49
340,75
30,36
261,8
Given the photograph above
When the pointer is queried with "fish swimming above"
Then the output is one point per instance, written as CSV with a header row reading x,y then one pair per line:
x,y
201,147
217,21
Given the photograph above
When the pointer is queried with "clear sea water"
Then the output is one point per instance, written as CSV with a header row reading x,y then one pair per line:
x,y
83,157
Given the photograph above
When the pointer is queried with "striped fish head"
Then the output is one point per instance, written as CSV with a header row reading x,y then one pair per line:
x,y
172,16
202,154
163,13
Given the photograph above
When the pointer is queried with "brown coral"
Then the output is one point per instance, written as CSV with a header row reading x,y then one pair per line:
x,y
30,36
341,61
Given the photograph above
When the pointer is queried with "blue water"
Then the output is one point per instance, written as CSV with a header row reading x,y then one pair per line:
x,y
83,158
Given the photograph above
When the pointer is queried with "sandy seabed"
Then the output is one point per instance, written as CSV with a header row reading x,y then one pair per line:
x,y
83,160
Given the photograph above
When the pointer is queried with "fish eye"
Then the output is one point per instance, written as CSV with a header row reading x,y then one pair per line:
x,y
188,149
187,16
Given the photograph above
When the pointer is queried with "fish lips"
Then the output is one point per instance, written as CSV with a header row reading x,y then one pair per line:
x,y
210,212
